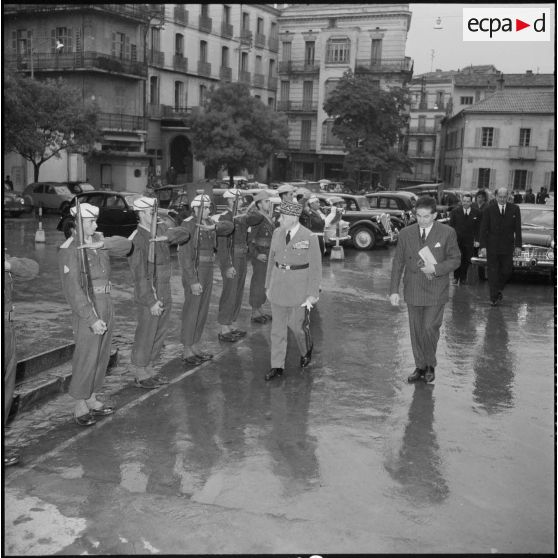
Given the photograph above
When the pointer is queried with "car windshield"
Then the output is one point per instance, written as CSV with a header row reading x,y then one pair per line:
x,y
362,202
62,190
537,218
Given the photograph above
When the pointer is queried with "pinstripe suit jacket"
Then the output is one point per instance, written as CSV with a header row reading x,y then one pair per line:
x,y
418,290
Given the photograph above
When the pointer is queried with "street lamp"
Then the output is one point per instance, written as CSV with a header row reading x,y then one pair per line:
x,y
59,45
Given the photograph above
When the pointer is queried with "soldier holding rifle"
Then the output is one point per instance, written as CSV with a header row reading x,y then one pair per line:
x,y
196,261
151,270
234,264
84,266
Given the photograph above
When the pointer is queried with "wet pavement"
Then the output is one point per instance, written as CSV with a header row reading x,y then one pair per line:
x,y
343,457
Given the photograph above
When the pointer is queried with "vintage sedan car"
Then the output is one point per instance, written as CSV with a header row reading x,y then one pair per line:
x,y
13,203
538,253
397,203
48,195
447,199
367,227
77,187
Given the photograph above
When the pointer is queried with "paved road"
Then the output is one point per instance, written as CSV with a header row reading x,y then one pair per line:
x,y
343,457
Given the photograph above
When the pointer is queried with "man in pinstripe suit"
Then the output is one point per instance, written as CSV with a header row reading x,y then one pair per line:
x,y
425,284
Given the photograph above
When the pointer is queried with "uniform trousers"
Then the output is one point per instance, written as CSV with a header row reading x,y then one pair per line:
x,y
424,324
285,318
466,249
257,295
10,366
195,309
233,292
92,352
499,268
150,334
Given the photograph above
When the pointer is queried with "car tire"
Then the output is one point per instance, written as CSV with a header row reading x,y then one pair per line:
x,y
363,238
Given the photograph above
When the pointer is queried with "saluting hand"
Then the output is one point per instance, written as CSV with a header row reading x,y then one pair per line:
x,y
161,238
92,246
262,257
230,273
157,309
196,289
394,299
99,327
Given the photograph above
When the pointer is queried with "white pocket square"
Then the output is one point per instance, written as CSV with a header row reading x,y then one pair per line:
x,y
437,245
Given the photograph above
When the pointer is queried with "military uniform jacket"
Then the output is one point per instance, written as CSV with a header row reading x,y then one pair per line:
x,y
500,234
22,268
143,288
293,287
99,267
237,242
207,247
466,226
418,290
259,240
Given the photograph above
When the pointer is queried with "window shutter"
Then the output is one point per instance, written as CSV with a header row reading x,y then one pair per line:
x,y
496,141
475,177
113,45
127,47
492,179
551,140
14,41
547,176
529,179
510,179
478,134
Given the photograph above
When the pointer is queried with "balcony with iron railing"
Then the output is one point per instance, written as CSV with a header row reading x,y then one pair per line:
x,y
73,61
301,145
522,152
174,111
118,121
331,141
225,73
384,65
299,67
180,63
156,57
274,44
297,106
259,80
227,30
205,24
181,15
246,37
135,11
260,40
204,68
244,77
272,83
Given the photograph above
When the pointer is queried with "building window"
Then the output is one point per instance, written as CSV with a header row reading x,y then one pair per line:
x,y
376,54
520,179
179,44
330,85
307,94
420,147
487,137
155,38
524,137
286,50
153,90
271,102
119,45
484,178
309,52
227,15
178,95
271,68
62,35
203,94
273,32
338,51
260,26
258,64
244,62
204,10
225,57
203,51
439,100
245,22
466,100
285,90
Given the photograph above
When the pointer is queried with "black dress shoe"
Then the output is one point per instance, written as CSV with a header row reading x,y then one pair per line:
x,y
85,420
146,383
11,458
104,411
238,332
429,375
204,356
192,360
259,319
272,373
228,337
305,360
417,375
160,379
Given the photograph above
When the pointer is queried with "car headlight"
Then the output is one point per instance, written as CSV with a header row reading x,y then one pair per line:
x,y
552,244
550,254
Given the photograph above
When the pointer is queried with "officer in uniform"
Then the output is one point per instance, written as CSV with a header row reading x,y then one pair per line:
x,y
197,275
22,268
152,291
92,313
294,272
258,247
234,265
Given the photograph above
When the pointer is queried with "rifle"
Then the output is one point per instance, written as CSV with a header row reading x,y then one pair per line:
x,y
234,212
85,272
151,255
197,237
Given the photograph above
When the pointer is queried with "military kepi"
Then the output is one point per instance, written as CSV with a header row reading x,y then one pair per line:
x,y
289,208
86,211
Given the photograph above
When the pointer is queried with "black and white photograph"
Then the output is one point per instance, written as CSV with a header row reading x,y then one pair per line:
x,y
279,279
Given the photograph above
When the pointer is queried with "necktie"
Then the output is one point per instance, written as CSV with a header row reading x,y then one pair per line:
x,y
423,235
466,212
502,209
288,237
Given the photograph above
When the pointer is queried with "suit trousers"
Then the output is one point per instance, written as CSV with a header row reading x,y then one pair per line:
x,y
233,292
424,324
257,295
9,367
285,318
195,309
466,249
92,352
499,268
150,334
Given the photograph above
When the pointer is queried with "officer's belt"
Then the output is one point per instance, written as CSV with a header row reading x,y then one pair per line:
x,y
291,267
264,243
103,287
206,258
9,316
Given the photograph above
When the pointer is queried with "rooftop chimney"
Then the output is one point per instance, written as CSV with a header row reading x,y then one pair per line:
x,y
500,81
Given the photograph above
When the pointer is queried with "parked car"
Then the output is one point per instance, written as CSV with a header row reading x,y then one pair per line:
x,y
538,253
13,204
447,199
77,187
48,195
367,227
167,194
397,203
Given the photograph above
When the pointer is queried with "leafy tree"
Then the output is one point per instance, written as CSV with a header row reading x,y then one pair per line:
x,y
369,121
44,118
236,131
